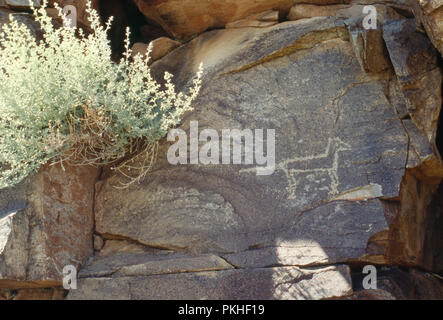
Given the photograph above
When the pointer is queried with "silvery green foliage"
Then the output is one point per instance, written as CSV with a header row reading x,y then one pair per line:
x,y
45,83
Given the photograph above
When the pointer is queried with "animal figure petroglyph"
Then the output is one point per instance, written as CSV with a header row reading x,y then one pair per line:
x,y
292,167
332,151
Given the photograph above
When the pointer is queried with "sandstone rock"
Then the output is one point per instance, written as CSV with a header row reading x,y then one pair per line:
x,y
369,46
261,20
289,217
414,237
268,283
121,259
357,179
302,11
160,47
46,223
370,50
353,13
183,19
430,14
416,66
139,48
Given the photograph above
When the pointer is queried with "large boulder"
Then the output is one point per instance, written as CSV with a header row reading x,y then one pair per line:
x,y
342,145
183,19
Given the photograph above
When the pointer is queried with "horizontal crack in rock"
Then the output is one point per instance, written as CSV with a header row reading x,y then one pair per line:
x,y
305,42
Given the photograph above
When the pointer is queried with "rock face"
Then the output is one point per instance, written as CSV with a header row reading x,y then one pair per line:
x,y
45,224
183,19
355,118
341,155
416,64
160,47
210,209
415,235
127,271
260,20
430,14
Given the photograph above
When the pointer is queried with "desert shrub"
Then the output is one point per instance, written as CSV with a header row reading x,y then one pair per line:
x,y
63,100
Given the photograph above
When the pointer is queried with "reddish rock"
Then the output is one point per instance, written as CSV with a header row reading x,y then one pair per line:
x,y
46,223
260,20
185,18
33,294
415,235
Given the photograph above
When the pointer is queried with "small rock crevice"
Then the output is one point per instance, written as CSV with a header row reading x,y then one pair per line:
x,y
125,14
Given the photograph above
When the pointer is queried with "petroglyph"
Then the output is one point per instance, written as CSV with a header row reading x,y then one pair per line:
x,y
332,151
293,167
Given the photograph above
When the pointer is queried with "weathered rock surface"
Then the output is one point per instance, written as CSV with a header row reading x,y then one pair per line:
x,y
430,14
46,223
268,283
227,208
183,19
302,11
160,47
121,258
397,284
416,64
357,179
337,164
260,20
415,235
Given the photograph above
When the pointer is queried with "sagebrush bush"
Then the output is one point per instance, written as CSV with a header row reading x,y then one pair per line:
x,y
62,99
